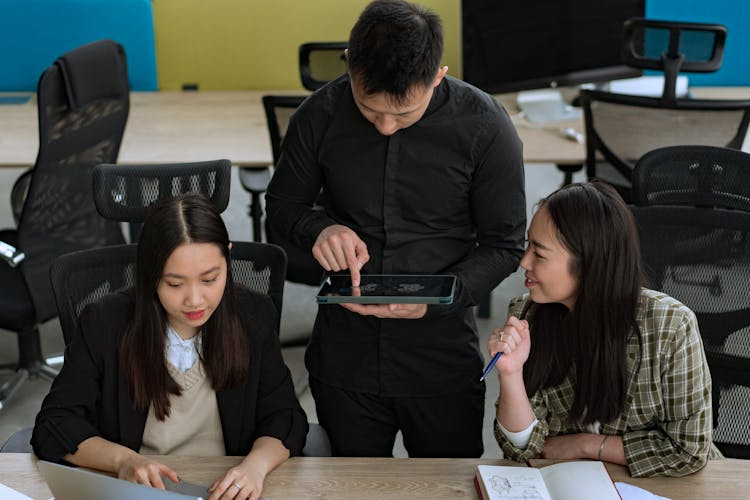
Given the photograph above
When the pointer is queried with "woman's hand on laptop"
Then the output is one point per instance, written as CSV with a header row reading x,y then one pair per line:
x,y
139,469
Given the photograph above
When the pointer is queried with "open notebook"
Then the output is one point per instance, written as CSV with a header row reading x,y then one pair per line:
x,y
577,480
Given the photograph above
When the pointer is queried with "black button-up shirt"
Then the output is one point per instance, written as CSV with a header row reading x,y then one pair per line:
x,y
443,196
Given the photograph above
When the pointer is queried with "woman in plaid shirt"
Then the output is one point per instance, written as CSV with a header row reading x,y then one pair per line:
x,y
616,372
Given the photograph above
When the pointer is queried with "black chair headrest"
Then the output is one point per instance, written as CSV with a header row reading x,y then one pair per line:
x,y
94,71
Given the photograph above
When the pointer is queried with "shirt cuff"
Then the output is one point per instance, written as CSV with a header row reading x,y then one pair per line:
x,y
519,439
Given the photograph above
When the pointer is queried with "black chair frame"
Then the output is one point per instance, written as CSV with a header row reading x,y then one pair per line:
x,y
305,50
595,143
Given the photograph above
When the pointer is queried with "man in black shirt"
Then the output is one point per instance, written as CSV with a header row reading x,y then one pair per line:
x,y
421,174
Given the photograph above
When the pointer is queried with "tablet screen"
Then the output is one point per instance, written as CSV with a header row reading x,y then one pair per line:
x,y
388,289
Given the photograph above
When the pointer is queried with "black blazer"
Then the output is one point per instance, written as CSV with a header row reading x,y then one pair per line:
x,y
90,396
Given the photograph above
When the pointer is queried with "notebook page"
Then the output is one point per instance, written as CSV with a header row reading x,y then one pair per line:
x,y
579,480
511,483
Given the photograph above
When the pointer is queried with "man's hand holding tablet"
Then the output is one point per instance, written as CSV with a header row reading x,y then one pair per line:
x,y
338,248
389,311
388,295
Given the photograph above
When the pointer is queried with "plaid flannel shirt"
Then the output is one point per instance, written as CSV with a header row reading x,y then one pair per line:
x,y
666,425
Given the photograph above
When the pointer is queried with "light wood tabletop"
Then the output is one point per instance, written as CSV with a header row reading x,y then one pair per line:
x,y
393,478
175,126
162,127
725,479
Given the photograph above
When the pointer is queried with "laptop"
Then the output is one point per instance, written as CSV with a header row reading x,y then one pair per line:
x,y
70,483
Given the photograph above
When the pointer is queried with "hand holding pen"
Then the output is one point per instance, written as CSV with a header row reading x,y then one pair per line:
x,y
513,342
492,362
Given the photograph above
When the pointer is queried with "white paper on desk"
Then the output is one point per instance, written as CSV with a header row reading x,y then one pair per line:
x,y
546,105
630,492
7,493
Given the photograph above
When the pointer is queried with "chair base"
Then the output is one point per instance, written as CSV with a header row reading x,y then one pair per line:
x,y
30,364
11,386
18,442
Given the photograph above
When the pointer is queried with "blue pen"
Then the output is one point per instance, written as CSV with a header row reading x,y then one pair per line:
x,y
490,365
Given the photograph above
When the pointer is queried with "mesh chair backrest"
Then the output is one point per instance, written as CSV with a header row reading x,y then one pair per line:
x,y
321,62
279,110
701,257
693,175
83,105
261,267
80,278
124,192
83,277
622,128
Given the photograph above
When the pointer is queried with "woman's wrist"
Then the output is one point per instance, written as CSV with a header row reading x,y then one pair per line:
x,y
592,445
601,447
121,455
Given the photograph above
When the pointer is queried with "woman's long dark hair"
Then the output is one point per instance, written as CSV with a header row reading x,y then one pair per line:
x,y
589,343
190,218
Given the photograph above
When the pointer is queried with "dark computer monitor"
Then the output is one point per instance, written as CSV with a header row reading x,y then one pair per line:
x,y
512,45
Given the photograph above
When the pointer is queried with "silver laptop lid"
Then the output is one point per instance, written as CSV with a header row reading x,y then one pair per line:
x,y
70,483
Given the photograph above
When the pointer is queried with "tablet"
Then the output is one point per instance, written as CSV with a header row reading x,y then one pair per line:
x,y
388,289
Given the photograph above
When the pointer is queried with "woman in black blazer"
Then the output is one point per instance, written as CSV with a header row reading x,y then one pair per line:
x,y
184,317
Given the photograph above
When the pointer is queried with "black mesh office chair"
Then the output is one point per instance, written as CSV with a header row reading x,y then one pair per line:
x,y
702,176
321,62
302,267
125,193
697,249
278,110
81,278
622,128
83,102
701,257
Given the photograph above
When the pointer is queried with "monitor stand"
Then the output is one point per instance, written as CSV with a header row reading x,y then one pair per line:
x,y
546,105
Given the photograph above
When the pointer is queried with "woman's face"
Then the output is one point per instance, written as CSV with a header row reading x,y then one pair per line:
x,y
192,285
547,264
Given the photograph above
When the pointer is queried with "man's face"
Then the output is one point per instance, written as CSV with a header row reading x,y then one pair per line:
x,y
385,114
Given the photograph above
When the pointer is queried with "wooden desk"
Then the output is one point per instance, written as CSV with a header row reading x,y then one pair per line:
x,y
162,127
392,478
544,142
725,479
173,126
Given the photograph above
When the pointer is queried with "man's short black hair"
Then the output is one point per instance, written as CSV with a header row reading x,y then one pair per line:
x,y
395,46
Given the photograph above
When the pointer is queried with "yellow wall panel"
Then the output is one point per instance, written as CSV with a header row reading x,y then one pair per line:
x,y
252,44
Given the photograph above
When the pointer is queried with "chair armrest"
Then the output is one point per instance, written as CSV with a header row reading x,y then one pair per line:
x,y
11,254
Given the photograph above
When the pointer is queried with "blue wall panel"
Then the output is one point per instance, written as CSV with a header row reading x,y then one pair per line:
x,y
734,14
35,32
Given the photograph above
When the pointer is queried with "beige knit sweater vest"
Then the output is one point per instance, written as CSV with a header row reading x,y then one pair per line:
x,y
193,426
